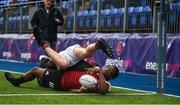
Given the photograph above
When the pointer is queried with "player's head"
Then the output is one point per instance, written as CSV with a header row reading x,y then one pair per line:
x,y
110,72
48,3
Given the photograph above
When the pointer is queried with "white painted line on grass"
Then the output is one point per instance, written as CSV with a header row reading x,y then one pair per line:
x,y
145,91
12,71
151,92
89,104
78,94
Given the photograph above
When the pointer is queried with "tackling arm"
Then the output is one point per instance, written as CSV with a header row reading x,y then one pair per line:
x,y
102,87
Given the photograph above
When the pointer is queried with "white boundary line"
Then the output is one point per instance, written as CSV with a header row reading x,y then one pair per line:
x,y
89,104
152,92
146,92
12,72
78,94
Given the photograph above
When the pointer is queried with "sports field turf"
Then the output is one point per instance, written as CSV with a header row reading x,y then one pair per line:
x,y
31,93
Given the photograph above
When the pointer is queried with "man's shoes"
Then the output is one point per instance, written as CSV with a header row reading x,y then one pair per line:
x,y
101,44
11,79
43,57
44,61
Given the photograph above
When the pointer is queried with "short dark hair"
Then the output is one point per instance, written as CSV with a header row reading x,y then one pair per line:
x,y
116,73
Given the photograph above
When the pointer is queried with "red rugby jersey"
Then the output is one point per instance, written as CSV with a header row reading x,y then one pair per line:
x,y
70,80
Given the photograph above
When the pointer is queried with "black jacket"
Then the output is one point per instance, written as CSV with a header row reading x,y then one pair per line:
x,y
47,23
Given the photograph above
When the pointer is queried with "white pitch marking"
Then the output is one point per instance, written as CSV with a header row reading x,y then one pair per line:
x,y
145,91
151,92
76,94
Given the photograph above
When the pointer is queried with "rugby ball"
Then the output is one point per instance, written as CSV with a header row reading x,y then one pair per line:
x,y
88,81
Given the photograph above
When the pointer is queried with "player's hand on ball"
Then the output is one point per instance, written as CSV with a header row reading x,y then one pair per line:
x,y
88,81
92,71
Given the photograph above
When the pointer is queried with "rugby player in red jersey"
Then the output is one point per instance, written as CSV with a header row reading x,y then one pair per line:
x,y
67,79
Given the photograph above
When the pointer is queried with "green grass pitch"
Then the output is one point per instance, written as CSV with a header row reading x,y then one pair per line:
x,y
32,93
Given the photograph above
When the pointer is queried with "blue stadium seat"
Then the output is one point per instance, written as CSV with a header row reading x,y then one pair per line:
x,y
14,21
106,17
109,18
64,4
146,16
1,20
130,10
85,17
118,17
139,9
79,19
10,23
1,10
175,6
8,1
172,18
88,19
3,2
135,15
92,18
25,22
81,15
102,20
22,1
93,4
178,7
71,5
69,20
17,22
132,15
147,9
144,2
1,23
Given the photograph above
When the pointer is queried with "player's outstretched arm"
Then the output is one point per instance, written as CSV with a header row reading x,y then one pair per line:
x,y
102,87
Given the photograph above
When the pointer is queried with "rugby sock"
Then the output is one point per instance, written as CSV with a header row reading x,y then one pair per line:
x,y
20,80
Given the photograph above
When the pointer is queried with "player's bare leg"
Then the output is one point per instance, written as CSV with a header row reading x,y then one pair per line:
x,y
29,76
83,53
101,44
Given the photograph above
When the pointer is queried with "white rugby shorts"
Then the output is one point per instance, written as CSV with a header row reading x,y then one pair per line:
x,y
70,56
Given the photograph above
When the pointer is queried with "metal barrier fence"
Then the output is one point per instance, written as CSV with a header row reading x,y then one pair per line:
x,y
85,16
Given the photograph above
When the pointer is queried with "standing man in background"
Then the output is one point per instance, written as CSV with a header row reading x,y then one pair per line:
x,y
47,18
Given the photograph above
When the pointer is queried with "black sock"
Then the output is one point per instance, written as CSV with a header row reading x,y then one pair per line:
x,y
15,81
19,80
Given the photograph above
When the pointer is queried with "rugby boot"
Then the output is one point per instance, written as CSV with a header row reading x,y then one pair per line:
x,y
102,44
12,79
